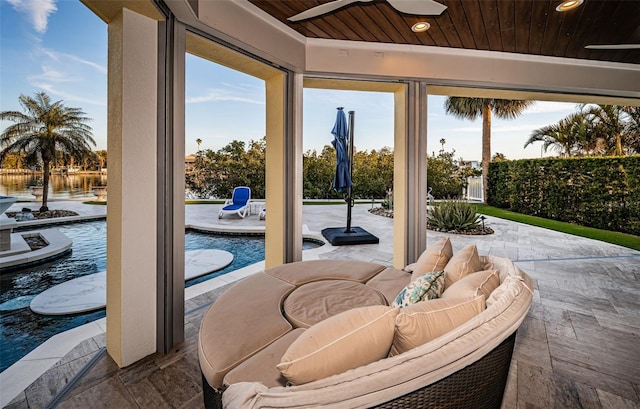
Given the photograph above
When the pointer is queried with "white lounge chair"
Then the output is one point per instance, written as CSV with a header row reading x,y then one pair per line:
x,y
239,202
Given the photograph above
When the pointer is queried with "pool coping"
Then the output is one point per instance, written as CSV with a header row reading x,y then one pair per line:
x,y
58,244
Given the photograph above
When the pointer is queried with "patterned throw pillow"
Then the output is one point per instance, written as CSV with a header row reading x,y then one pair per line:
x,y
426,287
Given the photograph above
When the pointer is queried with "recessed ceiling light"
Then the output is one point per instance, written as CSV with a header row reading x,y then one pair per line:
x,y
568,5
420,27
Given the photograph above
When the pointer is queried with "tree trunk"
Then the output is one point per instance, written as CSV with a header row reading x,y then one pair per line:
x,y
486,148
45,184
618,144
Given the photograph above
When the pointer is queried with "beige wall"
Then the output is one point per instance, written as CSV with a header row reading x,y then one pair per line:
x,y
275,189
247,26
473,68
131,214
243,24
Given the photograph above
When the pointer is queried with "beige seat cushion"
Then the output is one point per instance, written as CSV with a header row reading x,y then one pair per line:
x,y
348,340
319,300
479,283
313,270
390,282
420,323
434,258
262,366
463,262
241,322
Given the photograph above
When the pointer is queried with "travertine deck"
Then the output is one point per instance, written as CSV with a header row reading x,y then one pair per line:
x,y
578,348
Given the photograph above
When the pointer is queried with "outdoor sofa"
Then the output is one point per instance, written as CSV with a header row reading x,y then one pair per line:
x,y
323,334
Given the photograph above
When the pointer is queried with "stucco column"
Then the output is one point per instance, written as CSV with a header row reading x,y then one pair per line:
x,y
283,225
132,208
409,174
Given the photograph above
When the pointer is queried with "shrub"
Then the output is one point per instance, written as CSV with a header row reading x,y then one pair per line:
x,y
444,177
453,215
597,192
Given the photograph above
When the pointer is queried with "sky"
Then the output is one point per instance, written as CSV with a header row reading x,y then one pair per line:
x,y
60,47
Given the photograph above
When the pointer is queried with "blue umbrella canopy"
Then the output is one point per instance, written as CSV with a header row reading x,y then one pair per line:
x,y
342,179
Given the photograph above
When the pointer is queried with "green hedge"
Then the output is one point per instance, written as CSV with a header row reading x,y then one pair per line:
x,y
598,192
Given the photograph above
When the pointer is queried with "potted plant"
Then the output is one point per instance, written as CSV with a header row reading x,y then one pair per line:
x,y
37,190
100,192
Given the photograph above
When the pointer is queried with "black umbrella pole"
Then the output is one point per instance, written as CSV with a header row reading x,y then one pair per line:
x,y
350,201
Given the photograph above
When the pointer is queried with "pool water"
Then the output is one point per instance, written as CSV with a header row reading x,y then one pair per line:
x,y
21,330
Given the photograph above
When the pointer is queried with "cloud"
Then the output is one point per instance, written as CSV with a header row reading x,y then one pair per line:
x,y
37,11
217,95
244,87
466,129
515,128
69,77
60,68
58,56
543,107
66,96
51,74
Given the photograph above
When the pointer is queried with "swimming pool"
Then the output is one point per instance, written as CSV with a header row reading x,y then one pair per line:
x,y
21,330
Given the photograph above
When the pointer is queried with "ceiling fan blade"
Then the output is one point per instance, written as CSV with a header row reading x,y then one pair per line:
x,y
420,7
322,9
613,46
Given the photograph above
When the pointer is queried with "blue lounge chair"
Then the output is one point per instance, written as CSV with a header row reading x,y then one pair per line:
x,y
239,202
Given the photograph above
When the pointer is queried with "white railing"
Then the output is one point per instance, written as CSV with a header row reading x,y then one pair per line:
x,y
474,189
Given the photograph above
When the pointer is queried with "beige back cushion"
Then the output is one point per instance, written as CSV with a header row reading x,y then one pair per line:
x,y
434,258
348,340
463,263
390,282
427,320
479,283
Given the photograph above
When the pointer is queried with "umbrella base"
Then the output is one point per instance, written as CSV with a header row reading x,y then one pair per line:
x,y
338,237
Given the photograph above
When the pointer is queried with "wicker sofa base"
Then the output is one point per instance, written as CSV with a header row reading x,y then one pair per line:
x,y
480,386
212,397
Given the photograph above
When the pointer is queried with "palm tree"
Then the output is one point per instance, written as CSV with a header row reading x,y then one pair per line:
x,y
571,135
472,108
632,129
102,158
499,157
43,130
198,141
611,121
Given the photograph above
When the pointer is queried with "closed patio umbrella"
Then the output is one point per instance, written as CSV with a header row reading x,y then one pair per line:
x,y
342,182
342,178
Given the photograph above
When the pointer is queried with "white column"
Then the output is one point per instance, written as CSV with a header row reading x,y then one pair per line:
x,y
410,174
132,207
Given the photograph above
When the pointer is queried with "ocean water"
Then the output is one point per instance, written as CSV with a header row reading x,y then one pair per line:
x,y
60,186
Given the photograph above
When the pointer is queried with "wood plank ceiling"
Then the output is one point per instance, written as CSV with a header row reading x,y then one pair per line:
x,y
514,26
